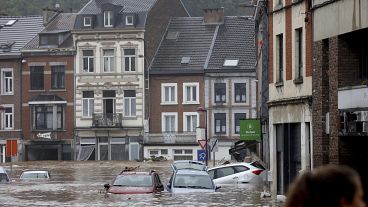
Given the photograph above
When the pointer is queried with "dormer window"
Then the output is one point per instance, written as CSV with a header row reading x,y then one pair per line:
x,y
129,20
87,21
231,62
108,18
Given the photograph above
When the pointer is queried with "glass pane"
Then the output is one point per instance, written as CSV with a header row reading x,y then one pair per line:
x,y
118,152
133,107
189,123
172,123
167,123
167,94
87,52
134,153
127,107
133,64
194,91
188,94
164,152
129,51
127,64
194,125
104,152
112,64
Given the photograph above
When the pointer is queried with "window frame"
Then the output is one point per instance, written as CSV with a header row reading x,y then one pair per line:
x,y
110,58
108,18
185,125
222,124
127,22
235,120
88,57
298,56
90,103
129,57
221,95
37,76
60,76
130,100
5,81
55,115
7,117
241,94
163,96
279,58
191,85
85,22
163,121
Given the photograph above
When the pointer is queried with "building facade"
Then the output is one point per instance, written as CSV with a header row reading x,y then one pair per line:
x,y
48,91
290,91
340,65
12,39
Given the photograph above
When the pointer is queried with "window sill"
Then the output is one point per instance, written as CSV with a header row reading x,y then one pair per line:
x,y
59,90
6,130
7,94
298,80
129,118
240,102
86,118
279,84
188,103
220,103
166,103
41,90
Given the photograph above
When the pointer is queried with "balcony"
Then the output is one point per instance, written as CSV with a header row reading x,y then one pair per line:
x,y
107,120
179,138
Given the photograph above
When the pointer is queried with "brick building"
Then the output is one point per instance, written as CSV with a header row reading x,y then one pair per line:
x,y
340,84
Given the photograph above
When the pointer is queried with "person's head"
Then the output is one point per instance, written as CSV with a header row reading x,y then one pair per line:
x,y
332,186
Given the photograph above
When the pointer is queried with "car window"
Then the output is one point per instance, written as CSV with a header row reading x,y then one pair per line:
x,y
193,181
189,165
133,180
34,176
226,171
212,173
240,168
257,165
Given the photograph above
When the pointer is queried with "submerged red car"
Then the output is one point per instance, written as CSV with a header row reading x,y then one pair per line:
x,y
135,183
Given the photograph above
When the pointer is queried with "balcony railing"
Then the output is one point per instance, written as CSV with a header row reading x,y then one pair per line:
x,y
107,120
171,138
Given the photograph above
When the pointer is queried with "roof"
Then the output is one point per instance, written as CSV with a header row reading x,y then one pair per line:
x,y
63,22
20,33
234,41
131,6
193,40
231,7
190,46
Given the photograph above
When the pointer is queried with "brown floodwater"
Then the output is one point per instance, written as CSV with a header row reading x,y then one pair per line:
x,y
81,184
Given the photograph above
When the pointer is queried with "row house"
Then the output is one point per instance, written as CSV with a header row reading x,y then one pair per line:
x,y
12,38
48,91
201,78
340,84
111,39
290,90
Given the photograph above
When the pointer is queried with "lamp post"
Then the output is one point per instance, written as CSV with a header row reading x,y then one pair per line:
x,y
201,109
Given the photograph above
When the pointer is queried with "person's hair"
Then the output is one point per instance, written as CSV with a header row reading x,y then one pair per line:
x,y
325,186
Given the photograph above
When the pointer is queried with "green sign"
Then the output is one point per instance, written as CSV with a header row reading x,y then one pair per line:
x,y
250,129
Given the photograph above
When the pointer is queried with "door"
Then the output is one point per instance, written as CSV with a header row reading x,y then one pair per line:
x,y
226,175
103,149
134,151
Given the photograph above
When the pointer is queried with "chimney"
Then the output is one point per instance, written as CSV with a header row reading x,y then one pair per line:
x,y
213,16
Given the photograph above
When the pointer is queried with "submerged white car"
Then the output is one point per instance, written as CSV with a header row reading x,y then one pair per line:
x,y
35,175
234,173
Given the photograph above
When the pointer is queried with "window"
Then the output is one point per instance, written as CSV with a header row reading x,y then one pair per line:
x,y
48,117
190,121
87,21
8,118
88,103
58,77
49,39
220,123
225,171
220,92
36,77
118,149
237,117
364,60
108,60
240,92
231,63
279,58
298,53
169,122
191,93
88,61
130,103
108,18
129,59
168,93
7,81
129,20
180,154
164,152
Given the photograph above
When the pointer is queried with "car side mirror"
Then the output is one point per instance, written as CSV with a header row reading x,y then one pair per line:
x,y
107,186
218,187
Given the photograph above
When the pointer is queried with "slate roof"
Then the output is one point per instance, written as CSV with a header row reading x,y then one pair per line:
x,y
63,22
21,32
231,7
94,6
233,40
194,41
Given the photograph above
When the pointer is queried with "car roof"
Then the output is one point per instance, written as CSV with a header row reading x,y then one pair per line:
x,y
191,172
35,171
2,170
233,164
136,173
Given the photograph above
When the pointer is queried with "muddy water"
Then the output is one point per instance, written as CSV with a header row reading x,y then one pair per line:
x,y
81,184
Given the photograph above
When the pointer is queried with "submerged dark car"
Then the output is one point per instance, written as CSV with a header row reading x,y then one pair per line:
x,y
135,183
4,178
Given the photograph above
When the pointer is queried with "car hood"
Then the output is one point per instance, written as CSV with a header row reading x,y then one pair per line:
x,y
192,190
129,190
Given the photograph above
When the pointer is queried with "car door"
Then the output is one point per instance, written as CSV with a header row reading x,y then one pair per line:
x,y
158,185
242,174
225,175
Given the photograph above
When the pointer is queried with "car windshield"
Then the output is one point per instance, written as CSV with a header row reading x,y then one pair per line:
x,y
133,180
3,178
34,176
193,181
189,165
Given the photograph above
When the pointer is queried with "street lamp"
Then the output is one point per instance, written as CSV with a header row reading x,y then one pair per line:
x,y
201,109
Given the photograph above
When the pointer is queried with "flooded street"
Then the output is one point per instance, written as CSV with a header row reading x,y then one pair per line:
x,y
81,184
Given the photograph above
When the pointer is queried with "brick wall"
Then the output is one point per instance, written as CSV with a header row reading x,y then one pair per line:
x,y
308,40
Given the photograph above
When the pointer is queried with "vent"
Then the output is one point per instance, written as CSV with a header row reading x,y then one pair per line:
x,y
11,22
172,35
185,60
230,63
